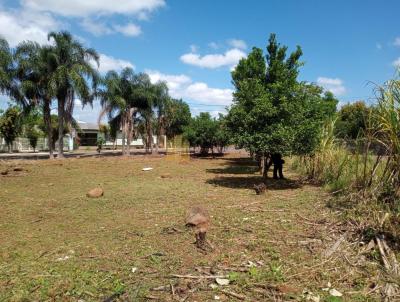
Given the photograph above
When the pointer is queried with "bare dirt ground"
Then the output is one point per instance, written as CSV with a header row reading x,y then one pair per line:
x,y
131,244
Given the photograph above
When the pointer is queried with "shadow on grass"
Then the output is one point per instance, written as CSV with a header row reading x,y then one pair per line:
x,y
247,166
234,170
235,182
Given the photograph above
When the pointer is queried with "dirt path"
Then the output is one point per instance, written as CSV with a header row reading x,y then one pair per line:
x,y
57,244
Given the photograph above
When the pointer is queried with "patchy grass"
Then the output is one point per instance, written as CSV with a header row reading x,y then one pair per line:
x,y
57,244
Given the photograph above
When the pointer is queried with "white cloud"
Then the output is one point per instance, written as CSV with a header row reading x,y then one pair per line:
x,y
397,41
334,85
175,82
236,43
396,63
181,86
85,8
96,28
18,26
229,58
108,63
379,46
130,29
201,92
33,19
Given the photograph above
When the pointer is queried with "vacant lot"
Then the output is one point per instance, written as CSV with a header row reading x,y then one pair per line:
x,y
57,244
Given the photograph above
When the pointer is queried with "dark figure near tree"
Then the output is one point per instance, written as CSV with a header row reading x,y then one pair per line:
x,y
278,162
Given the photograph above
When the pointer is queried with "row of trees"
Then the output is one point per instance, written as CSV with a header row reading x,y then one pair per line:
x,y
139,107
206,133
35,76
28,123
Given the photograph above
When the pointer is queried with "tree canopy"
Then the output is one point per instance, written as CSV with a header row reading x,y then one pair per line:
x,y
206,132
351,120
10,125
272,111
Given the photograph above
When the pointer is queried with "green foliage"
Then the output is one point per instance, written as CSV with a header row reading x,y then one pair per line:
x,y
177,116
104,131
8,83
31,122
54,128
122,97
100,142
272,111
72,75
33,135
352,120
10,125
206,132
367,176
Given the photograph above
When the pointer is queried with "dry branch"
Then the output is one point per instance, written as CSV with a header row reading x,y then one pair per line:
x,y
232,294
199,277
334,247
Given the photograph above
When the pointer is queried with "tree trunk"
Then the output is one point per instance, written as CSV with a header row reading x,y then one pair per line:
x,y
129,135
266,165
9,147
47,122
158,134
123,134
61,101
149,137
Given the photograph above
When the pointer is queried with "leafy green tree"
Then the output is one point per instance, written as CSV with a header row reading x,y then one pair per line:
x,y
54,129
352,120
73,75
206,132
33,135
272,112
221,136
31,121
10,125
177,116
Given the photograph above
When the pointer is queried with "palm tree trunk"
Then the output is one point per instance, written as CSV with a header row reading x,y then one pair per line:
x,y
150,136
157,143
129,135
60,127
123,134
47,122
158,134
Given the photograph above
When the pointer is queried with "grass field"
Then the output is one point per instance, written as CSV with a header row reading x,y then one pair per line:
x,y
58,245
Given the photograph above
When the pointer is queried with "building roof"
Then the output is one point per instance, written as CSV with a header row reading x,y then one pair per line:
x,y
88,126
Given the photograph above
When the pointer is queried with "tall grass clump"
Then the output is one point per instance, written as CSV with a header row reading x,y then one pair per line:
x,y
365,174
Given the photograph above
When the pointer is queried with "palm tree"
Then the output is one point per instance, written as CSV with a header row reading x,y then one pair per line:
x,y
34,69
73,71
114,99
123,95
9,84
5,66
161,98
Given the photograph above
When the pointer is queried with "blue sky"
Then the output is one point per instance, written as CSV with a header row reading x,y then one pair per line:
x,y
194,44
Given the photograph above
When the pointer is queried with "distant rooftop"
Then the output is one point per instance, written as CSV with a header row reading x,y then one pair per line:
x,y
88,126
